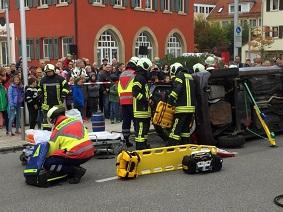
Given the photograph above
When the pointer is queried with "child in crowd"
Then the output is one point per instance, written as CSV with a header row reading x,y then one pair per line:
x,y
93,95
114,100
78,94
15,101
31,98
3,101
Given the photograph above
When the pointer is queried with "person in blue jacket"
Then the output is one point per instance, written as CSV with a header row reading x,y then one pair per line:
x,y
78,94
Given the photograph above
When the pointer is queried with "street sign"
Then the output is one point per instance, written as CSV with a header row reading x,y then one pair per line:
x,y
238,36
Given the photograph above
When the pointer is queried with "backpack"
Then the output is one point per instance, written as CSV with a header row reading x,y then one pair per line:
x,y
127,163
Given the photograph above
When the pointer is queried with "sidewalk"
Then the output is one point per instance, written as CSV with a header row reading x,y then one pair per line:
x,y
13,143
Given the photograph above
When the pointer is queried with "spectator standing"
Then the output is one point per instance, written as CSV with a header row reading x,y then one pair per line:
x,y
93,95
38,74
94,68
78,94
238,63
114,100
15,101
104,76
31,97
3,101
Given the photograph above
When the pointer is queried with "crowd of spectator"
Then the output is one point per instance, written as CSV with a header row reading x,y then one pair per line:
x,y
93,88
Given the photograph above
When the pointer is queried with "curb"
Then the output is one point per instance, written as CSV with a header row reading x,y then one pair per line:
x,y
11,149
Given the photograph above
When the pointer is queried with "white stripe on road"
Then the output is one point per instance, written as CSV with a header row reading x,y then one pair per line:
x,y
107,179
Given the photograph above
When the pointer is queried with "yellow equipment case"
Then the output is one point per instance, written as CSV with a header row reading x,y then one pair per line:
x,y
164,115
127,163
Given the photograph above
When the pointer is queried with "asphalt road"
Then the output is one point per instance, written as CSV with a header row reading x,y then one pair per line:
x,y
247,183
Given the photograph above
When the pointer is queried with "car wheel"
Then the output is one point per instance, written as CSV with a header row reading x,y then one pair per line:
x,y
189,165
216,163
231,141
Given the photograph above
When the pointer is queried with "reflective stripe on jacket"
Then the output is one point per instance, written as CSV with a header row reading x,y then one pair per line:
x,y
184,93
70,139
125,86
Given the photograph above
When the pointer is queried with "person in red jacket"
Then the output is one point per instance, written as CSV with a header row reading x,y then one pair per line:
x,y
69,145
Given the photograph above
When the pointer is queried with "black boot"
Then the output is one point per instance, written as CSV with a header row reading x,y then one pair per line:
x,y
172,143
77,174
141,145
128,143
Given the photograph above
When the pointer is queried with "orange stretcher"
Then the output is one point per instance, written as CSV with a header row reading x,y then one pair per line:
x,y
164,115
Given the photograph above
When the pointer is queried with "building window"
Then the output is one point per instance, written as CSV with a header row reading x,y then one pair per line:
x,y
97,1
181,5
144,40
201,9
274,4
118,3
174,46
252,22
62,1
275,32
148,4
47,45
3,53
232,8
195,9
43,2
66,42
210,9
107,47
167,5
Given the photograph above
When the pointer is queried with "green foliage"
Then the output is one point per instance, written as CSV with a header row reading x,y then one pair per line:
x,y
187,62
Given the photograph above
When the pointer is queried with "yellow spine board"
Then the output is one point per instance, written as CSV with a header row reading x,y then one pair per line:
x,y
166,158
164,115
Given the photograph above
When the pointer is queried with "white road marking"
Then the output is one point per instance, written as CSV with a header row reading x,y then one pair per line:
x,y
107,179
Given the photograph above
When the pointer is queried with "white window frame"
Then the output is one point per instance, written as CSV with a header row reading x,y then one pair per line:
x,y
43,3
119,3
148,4
174,45
47,48
139,4
233,6
96,1
28,44
167,5
272,3
182,4
2,4
253,23
26,3
272,31
65,45
144,40
106,46
63,2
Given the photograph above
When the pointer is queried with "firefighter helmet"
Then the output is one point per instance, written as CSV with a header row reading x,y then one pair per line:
x,y
54,112
49,67
145,64
198,68
174,68
134,60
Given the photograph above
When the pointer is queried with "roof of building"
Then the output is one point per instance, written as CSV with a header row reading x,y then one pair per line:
x,y
209,2
218,13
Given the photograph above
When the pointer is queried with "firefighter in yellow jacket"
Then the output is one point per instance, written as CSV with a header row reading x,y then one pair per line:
x,y
52,91
182,97
141,107
69,145
125,86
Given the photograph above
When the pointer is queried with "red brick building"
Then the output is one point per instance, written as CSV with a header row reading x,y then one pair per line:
x,y
103,28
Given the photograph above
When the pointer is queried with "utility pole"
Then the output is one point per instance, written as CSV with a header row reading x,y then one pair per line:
x,y
236,21
24,42
8,32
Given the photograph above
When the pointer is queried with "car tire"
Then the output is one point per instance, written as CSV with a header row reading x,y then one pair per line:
x,y
189,164
216,163
231,141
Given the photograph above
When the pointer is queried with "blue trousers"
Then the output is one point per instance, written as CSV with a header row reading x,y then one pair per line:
x,y
14,114
114,111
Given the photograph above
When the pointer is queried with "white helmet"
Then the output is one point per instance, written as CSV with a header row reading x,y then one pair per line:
x,y
198,67
145,64
174,68
49,67
54,112
134,60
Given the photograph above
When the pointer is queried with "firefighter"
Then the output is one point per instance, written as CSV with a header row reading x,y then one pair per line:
x,y
69,145
125,86
141,107
52,91
182,97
